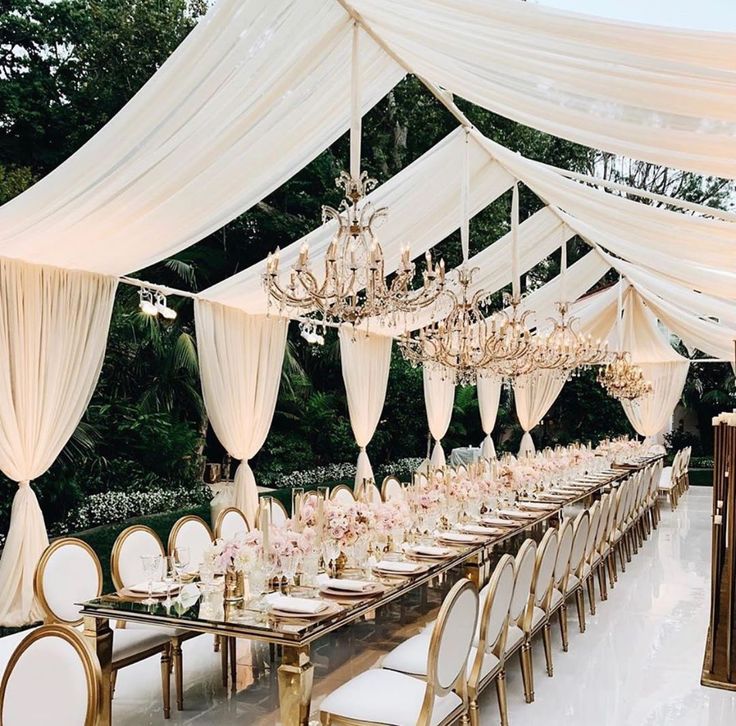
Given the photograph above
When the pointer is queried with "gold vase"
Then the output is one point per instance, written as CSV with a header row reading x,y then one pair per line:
x,y
234,586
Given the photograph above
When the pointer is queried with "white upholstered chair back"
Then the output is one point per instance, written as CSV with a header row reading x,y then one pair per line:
x,y
391,489
277,511
525,559
452,637
495,614
125,561
371,493
595,519
579,540
342,494
564,550
67,573
605,504
461,470
622,495
231,524
51,678
544,569
194,533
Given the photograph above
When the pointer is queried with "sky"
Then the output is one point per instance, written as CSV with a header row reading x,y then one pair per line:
x,y
696,14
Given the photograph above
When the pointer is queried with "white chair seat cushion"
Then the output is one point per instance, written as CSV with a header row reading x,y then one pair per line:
x,y
8,643
556,598
130,642
537,616
513,637
411,658
572,583
586,570
386,697
665,478
616,536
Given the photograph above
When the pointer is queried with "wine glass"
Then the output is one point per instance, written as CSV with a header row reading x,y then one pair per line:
x,y
290,564
330,551
181,561
152,570
170,576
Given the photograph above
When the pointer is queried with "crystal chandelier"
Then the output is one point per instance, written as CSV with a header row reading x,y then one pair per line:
x,y
353,286
564,348
623,379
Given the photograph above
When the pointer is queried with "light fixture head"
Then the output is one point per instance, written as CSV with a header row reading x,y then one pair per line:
x,y
163,309
308,331
146,303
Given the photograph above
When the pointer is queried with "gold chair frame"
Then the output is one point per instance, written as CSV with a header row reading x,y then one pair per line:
x,y
221,517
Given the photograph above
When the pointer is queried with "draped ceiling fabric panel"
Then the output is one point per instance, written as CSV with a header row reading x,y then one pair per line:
x,y
658,94
696,250
366,360
53,330
423,202
240,360
439,399
489,396
255,92
666,369
534,395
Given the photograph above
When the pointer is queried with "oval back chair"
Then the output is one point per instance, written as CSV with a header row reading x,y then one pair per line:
x,y
193,533
231,524
133,543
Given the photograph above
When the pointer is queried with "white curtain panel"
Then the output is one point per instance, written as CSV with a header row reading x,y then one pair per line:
x,y
534,395
240,360
489,396
53,330
439,399
666,369
255,92
366,360
659,94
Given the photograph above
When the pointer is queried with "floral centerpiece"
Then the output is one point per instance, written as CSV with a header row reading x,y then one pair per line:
x,y
234,557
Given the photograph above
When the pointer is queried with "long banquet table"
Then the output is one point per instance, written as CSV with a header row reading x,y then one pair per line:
x,y
295,673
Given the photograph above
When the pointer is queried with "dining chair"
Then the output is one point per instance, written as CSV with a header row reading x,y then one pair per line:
x,y
597,562
461,470
562,572
343,495
231,524
524,573
384,696
60,595
535,619
279,515
586,571
619,542
668,481
52,677
391,489
193,533
574,583
126,570
485,660
371,493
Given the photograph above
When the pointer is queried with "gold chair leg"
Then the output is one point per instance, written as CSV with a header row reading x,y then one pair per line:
x,y
503,709
547,638
621,554
527,671
113,680
580,602
611,567
562,617
591,592
232,644
224,664
178,674
166,680
473,712
602,581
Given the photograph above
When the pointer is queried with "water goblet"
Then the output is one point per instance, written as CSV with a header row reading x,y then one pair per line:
x,y
181,561
331,551
170,576
152,570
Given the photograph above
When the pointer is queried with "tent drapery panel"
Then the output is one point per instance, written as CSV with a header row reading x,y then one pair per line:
x,y
53,331
365,361
489,396
439,399
534,395
240,360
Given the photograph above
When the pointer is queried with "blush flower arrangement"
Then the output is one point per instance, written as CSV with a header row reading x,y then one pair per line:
x,y
390,516
238,554
347,523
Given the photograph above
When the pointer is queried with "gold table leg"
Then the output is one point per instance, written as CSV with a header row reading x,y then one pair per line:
x,y
296,674
99,636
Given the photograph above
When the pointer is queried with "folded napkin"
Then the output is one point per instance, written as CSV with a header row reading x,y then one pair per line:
x,y
399,567
476,529
515,513
458,537
348,585
538,506
158,588
429,550
497,522
289,604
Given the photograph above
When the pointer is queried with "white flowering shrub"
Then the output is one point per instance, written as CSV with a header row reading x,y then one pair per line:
x,y
345,472
111,507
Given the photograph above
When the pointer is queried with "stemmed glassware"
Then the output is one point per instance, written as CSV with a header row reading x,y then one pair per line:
x,y
152,570
289,566
331,551
170,576
181,562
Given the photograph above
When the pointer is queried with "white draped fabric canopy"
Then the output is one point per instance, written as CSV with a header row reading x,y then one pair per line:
x,y
366,360
534,395
489,396
256,91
